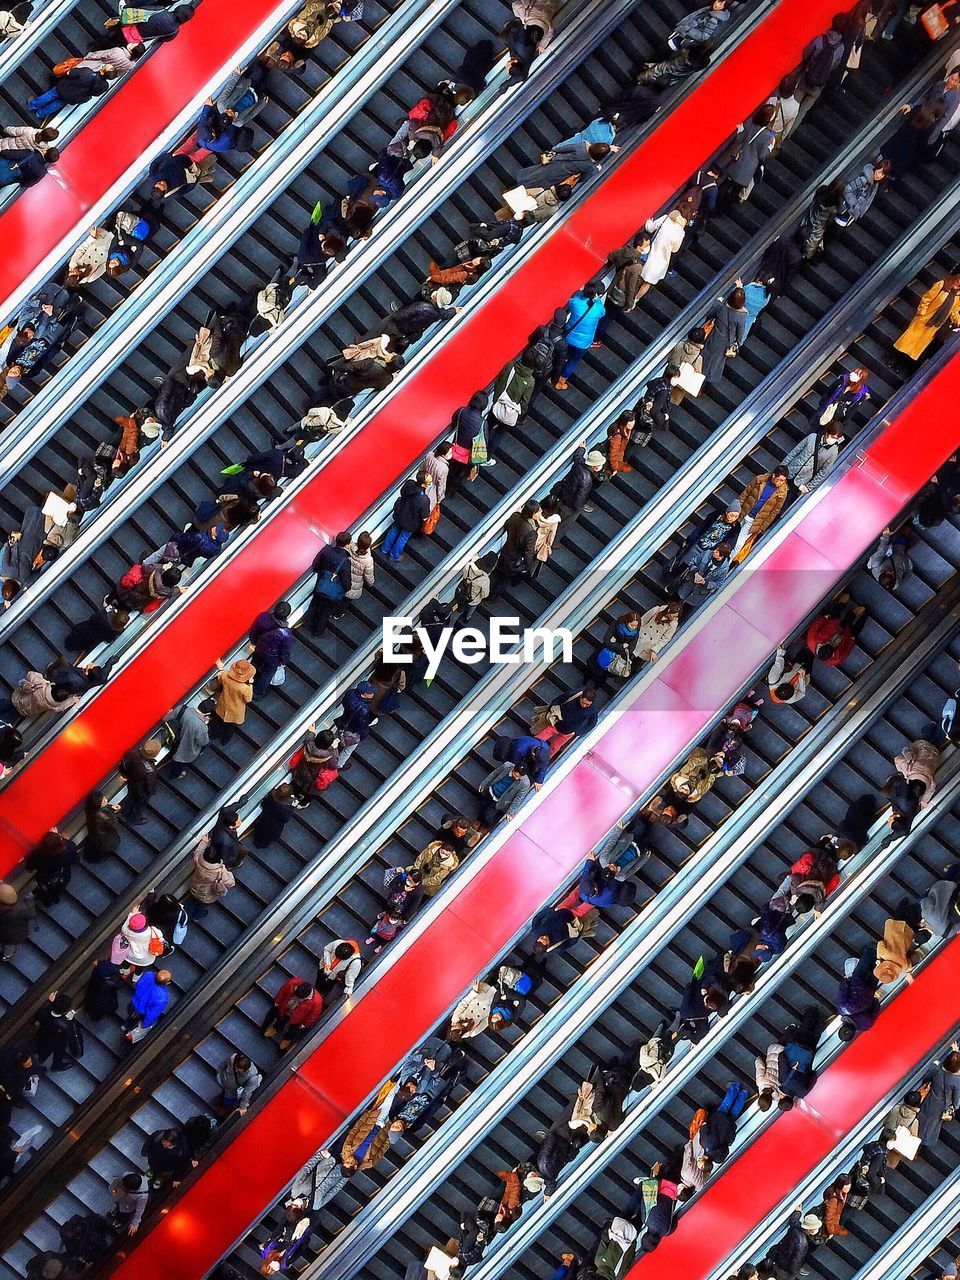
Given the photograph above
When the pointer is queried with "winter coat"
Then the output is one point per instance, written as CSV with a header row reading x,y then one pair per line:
x,y
346,970
584,315
546,527
890,554
209,881
193,735
834,1202
438,469
695,777
747,153
859,194
790,1252
320,1179
272,641
537,13
573,489
15,921
563,162
940,907
893,952
80,85
856,1001
361,571
519,552
412,506
918,762
150,1000
307,1012
555,1152
812,451
241,1085
938,308
699,27
511,800
532,753
519,384
475,1008
667,239
33,696
770,509
236,690
728,331
654,634
435,863
714,573
89,260
617,1250
628,265
944,1094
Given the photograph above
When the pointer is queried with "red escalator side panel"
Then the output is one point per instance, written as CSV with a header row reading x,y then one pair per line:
x,y
174,660
134,116
908,1031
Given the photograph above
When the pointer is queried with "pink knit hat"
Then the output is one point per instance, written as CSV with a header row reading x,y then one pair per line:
x,y
137,922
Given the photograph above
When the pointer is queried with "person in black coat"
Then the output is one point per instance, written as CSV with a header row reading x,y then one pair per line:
x,y
466,425
101,998
138,769
409,512
26,168
52,862
658,1218
17,911
59,1037
276,810
168,1157
573,490
518,555
334,578
411,322
102,626
80,84
789,1255
225,840
18,1073
103,833
550,930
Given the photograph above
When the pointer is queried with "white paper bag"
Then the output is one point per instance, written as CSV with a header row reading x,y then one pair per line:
x,y
905,1143
689,380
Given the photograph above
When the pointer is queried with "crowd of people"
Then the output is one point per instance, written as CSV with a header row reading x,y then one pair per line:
x,y
345,568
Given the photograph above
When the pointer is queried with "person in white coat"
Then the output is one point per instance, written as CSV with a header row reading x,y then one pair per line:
x,y
668,232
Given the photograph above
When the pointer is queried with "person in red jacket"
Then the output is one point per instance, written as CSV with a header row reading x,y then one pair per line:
x,y
296,1007
831,636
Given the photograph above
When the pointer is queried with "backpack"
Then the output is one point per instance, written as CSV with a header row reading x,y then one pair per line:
x,y
133,577
823,59
540,357
700,1117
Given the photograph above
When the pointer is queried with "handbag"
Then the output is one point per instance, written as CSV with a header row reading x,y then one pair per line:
x,y
829,413
118,949
155,945
934,20
620,666
279,677
432,520
137,1033
544,717
478,450
506,410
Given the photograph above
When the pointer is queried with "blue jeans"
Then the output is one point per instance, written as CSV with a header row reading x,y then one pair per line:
x,y
574,356
45,104
395,541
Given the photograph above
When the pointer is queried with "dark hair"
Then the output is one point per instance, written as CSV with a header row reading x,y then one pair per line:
x,y
343,951
594,288
364,541
443,448
333,243
736,298
241,1061
530,508
671,370
951,1062
724,548
783,692
804,903
51,155
302,990
228,817
170,577
478,400
597,150
136,51
785,1103
131,1181
764,115
343,539
780,471
846,1033
282,610
207,706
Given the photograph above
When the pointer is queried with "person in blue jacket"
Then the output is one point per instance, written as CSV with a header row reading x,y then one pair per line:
x,y
533,754
585,310
600,887
149,1000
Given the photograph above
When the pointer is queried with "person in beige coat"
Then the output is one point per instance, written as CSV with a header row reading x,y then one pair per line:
x,y
657,628
34,696
210,880
938,309
234,689
894,953
435,863
918,762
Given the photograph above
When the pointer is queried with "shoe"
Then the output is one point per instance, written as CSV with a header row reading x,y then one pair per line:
x,y
375,720
285,1045
589,507
561,384
270,1031
490,462
595,345
368,942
